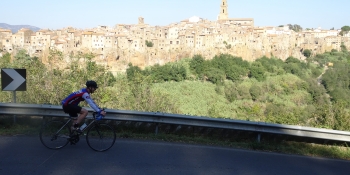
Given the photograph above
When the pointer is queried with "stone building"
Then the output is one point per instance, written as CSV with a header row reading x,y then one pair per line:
x,y
6,40
223,15
117,46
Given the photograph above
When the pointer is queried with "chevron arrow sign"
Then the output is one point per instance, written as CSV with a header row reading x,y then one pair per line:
x,y
13,80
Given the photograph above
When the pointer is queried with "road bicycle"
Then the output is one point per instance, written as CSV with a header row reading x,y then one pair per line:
x,y
56,134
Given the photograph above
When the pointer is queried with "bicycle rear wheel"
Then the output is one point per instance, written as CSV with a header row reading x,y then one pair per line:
x,y
54,134
100,137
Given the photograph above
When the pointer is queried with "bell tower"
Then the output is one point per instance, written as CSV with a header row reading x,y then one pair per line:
x,y
223,10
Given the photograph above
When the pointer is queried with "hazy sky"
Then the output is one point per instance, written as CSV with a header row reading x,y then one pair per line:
x,y
57,14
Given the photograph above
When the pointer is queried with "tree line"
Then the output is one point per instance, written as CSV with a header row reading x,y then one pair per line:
x,y
292,91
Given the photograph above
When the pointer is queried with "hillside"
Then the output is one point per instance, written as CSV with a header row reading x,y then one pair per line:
x,y
15,28
267,90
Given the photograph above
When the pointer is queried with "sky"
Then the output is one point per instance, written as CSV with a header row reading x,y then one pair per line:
x,y
84,14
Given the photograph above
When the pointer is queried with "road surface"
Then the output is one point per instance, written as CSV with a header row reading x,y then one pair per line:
x,y
24,155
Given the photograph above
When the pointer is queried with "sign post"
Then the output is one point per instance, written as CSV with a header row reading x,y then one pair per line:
x,y
13,80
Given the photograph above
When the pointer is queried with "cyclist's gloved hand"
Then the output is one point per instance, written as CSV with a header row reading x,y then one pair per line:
x,y
99,115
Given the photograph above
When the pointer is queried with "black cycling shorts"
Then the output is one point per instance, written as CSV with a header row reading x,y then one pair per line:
x,y
72,110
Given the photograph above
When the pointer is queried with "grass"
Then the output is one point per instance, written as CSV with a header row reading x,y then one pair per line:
x,y
30,126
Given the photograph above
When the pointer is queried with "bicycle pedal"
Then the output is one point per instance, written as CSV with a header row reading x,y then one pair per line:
x,y
73,138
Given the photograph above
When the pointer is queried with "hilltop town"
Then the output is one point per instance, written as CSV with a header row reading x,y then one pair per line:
x,y
144,45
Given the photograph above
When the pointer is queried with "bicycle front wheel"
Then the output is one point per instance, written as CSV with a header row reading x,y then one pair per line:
x,y
54,134
100,137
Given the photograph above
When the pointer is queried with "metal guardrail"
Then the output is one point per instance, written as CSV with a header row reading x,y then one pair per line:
x,y
163,118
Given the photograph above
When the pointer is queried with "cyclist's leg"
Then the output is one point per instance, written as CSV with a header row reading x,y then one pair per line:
x,y
73,112
82,115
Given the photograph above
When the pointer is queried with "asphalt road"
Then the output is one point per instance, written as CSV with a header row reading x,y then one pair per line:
x,y
22,155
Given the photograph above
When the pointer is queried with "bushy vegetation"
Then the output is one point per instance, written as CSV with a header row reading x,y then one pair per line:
x,y
149,43
308,93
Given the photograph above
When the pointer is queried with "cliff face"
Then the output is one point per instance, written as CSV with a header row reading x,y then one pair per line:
x,y
118,62
249,48
281,47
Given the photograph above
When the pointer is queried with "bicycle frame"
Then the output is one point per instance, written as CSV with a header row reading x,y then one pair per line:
x,y
90,124
63,126
69,120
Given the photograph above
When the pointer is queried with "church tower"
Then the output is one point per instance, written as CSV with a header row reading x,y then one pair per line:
x,y
223,10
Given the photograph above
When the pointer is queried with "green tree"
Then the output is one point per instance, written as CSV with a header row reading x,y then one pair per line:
x,y
257,71
344,30
272,65
293,68
132,71
295,27
292,60
198,65
236,73
343,47
234,67
318,93
22,57
337,81
341,116
167,72
22,54
215,75
5,60
307,53
230,92
255,92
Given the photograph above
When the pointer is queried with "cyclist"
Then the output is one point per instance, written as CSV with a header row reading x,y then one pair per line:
x,y
71,102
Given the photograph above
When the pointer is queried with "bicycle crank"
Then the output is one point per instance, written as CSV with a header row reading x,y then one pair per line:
x,y
74,139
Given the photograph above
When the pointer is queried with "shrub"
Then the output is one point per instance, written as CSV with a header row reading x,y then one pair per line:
x,y
149,43
307,53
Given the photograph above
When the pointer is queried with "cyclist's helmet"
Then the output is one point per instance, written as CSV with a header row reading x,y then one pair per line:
x,y
91,83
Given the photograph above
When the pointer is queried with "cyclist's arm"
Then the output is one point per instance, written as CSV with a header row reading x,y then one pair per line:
x,y
91,102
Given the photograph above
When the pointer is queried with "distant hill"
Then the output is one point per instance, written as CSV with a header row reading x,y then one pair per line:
x,y
15,28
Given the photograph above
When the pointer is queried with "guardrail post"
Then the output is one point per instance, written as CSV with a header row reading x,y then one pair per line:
x,y
259,137
14,101
157,128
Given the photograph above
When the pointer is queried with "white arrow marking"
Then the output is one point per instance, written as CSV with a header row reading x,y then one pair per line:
x,y
17,79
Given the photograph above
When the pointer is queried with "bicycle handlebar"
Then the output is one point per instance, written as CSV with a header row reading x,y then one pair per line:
x,y
96,114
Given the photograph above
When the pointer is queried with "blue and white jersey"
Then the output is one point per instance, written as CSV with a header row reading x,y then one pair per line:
x,y
76,97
